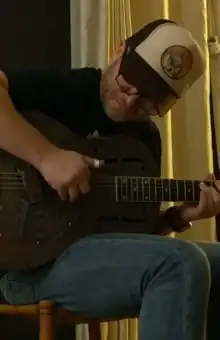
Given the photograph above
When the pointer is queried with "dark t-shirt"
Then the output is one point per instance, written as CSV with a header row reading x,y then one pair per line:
x,y
73,99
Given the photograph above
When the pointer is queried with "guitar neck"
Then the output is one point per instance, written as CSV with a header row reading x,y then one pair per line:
x,y
131,189
148,189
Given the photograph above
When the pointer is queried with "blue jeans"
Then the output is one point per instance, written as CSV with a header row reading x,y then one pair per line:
x,y
165,281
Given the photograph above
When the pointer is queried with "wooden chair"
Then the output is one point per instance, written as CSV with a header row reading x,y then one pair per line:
x,y
49,315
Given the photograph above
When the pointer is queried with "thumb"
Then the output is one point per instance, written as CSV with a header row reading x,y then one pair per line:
x,y
208,180
95,163
203,187
210,177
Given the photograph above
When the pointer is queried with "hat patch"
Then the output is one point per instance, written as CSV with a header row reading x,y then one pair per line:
x,y
176,62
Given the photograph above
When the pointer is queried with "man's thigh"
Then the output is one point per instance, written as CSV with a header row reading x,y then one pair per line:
x,y
101,275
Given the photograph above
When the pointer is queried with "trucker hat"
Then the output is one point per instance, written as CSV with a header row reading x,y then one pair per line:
x,y
162,60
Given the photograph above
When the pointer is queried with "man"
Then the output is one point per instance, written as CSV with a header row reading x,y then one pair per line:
x,y
165,281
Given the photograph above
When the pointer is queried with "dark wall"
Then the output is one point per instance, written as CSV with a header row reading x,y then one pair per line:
x,y
35,34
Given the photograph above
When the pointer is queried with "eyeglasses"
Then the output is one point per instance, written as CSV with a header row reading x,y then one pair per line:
x,y
144,104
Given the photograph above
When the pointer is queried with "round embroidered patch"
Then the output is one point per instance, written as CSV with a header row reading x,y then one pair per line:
x,y
176,62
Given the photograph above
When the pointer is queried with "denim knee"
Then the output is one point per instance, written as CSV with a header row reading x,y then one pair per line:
x,y
192,261
182,262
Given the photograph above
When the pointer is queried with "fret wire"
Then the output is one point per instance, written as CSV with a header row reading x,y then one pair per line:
x,y
193,187
137,191
184,189
132,188
187,189
165,188
122,184
132,194
146,185
126,187
136,184
129,188
142,183
177,190
122,187
116,188
169,188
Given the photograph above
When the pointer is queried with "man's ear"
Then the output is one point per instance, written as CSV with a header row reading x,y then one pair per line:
x,y
3,80
118,52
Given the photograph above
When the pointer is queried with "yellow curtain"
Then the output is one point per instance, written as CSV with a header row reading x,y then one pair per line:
x,y
88,33
185,131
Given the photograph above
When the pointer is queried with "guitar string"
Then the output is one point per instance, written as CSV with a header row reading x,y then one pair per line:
x,y
107,179
21,186
111,182
14,181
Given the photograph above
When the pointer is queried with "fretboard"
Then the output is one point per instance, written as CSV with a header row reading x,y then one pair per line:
x,y
146,189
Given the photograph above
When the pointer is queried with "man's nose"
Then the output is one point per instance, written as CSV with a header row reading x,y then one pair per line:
x,y
131,99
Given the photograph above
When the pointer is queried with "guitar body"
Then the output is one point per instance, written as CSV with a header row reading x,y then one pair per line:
x,y
36,226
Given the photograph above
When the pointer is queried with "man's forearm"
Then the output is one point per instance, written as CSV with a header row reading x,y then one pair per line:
x,y
18,137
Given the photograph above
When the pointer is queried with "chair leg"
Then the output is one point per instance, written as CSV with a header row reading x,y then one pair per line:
x,y
94,331
47,322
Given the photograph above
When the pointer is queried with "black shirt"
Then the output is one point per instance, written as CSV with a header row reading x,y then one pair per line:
x,y
73,99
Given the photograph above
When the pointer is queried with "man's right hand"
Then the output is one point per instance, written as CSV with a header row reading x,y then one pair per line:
x,y
67,172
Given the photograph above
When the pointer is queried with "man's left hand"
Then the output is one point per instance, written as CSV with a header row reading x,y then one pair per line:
x,y
209,203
